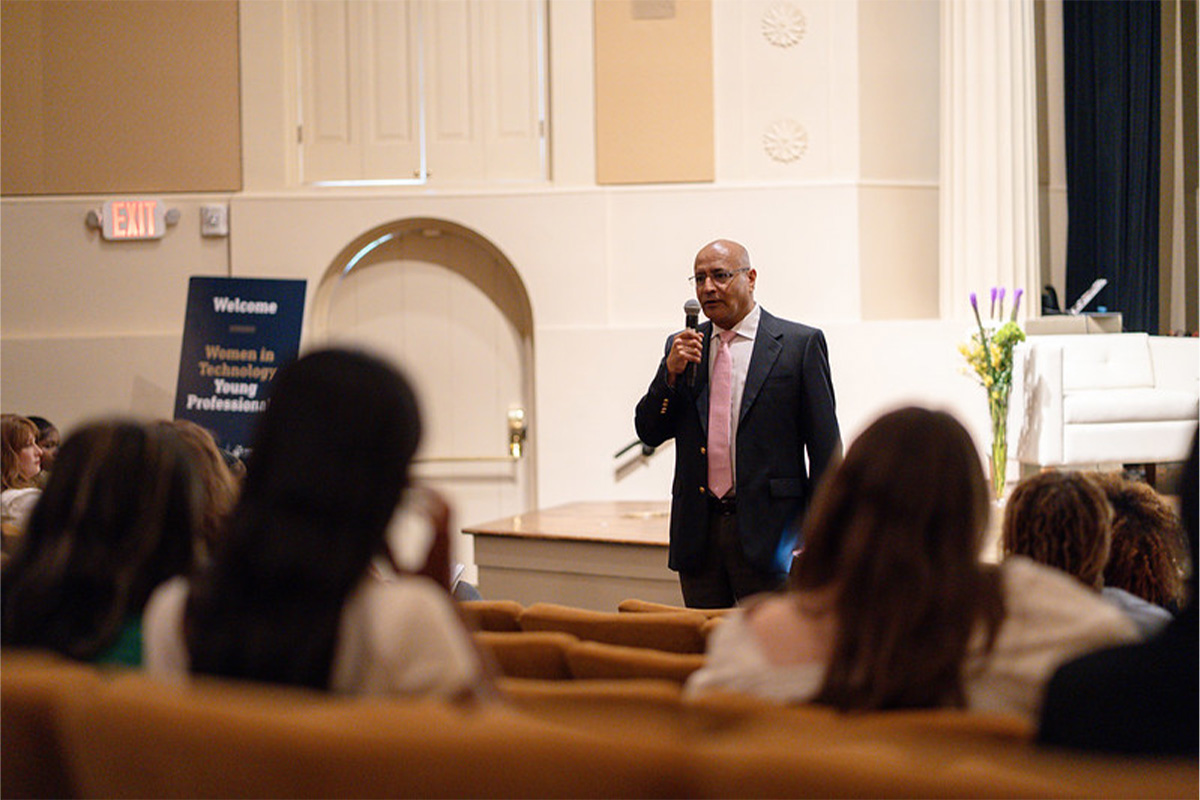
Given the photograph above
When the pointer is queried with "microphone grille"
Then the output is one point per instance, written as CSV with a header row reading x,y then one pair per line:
x,y
692,306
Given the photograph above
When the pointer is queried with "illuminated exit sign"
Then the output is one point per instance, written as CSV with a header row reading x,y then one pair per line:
x,y
140,218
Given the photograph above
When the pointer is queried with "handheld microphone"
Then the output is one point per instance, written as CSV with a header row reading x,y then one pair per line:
x,y
691,311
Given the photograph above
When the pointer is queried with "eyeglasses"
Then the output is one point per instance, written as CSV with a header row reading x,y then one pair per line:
x,y
721,277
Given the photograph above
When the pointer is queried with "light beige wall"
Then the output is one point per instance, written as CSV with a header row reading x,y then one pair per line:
x,y
898,84
898,89
572,93
654,98
120,97
269,103
606,274
898,260
90,327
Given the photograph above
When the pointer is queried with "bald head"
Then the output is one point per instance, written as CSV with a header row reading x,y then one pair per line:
x,y
724,282
733,254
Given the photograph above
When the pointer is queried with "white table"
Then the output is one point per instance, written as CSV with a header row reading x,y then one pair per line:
x,y
588,555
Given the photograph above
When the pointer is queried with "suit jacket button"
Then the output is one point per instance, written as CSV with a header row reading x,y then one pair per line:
x,y
701,490
702,451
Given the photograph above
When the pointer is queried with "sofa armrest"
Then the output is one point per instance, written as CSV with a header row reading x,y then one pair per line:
x,y
1176,362
1038,398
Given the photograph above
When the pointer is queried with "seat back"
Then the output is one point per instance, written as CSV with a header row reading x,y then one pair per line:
x,y
139,738
491,615
541,655
32,687
633,605
678,632
601,661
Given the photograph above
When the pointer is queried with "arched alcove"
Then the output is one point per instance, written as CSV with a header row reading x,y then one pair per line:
x,y
448,307
435,240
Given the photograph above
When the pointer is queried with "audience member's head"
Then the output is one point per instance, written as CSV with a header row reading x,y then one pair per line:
x,y
1062,520
48,439
20,456
116,519
219,486
1148,546
329,463
897,539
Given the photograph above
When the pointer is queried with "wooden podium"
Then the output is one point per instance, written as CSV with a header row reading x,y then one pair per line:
x,y
588,555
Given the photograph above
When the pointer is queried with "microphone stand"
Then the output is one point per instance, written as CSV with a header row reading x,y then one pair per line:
x,y
647,450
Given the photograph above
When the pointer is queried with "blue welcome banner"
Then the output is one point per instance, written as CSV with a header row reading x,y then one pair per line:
x,y
237,333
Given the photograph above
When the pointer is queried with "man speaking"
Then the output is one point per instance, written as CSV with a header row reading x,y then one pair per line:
x,y
758,397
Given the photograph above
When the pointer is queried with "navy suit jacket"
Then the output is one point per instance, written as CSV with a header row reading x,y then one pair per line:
x,y
787,411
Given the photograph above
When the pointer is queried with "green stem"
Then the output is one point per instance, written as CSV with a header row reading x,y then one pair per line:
x,y
998,406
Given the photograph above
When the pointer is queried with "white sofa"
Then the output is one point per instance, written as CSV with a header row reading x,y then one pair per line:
x,y
1100,399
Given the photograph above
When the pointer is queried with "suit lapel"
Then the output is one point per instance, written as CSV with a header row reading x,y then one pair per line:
x,y
767,346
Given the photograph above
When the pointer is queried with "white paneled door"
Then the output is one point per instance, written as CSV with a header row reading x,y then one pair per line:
x,y
454,317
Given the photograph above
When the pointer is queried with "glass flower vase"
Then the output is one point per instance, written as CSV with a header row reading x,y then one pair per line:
x,y
998,406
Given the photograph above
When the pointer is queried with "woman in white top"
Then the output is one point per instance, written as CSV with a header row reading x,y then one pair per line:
x,y
292,595
889,605
20,463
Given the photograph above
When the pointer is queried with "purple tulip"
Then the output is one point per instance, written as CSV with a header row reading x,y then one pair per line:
x,y
992,311
1001,315
1016,302
978,321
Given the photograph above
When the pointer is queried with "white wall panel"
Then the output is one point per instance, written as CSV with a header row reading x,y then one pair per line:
x,y
454,90
785,95
61,279
512,49
75,379
452,81
556,241
391,91
803,240
329,89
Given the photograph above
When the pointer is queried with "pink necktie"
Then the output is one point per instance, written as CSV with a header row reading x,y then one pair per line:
x,y
720,398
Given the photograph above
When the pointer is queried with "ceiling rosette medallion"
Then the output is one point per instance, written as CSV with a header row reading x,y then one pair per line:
x,y
785,140
784,24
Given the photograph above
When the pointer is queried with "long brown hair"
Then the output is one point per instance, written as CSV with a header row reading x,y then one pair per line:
x,y
1062,520
16,433
219,485
116,519
329,465
896,532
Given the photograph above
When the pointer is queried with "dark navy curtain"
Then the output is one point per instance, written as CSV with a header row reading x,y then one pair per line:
x,y
1111,63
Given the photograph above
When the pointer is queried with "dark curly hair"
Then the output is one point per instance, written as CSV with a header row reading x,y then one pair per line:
x,y
1147,553
1060,519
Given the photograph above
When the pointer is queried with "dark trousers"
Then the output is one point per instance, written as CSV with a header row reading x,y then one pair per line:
x,y
726,575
